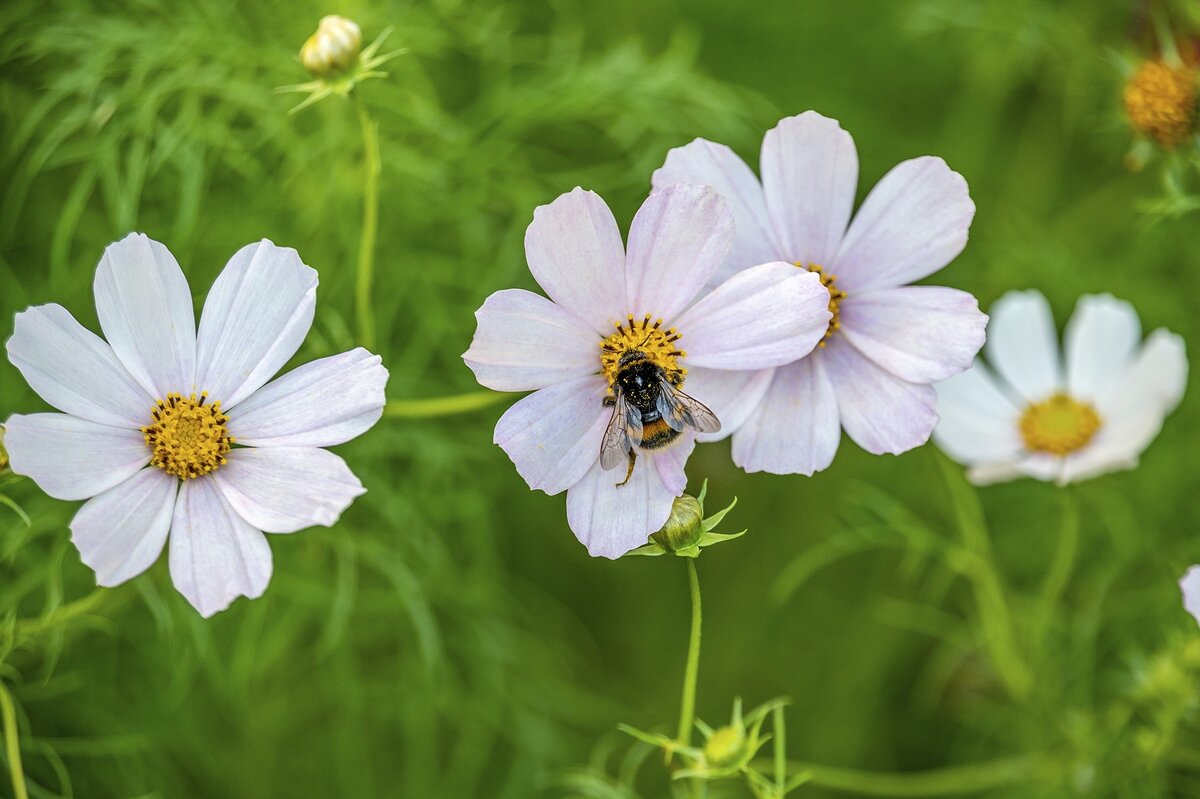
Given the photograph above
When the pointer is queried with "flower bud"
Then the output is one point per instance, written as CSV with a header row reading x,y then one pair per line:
x,y
333,49
1160,101
684,528
726,746
3,453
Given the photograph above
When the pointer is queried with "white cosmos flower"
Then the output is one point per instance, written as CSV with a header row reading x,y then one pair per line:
x,y
167,430
1038,417
887,342
653,299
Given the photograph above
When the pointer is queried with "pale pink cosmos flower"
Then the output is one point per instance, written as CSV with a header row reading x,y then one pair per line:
x,y
1033,415
1189,585
167,430
604,301
888,342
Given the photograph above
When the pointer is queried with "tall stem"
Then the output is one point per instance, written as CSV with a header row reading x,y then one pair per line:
x,y
370,227
12,748
441,406
687,708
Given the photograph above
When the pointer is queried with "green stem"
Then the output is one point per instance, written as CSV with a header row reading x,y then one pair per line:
x,y
949,781
687,708
1060,568
12,747
370,227
27,628
441,406
779,727
994,615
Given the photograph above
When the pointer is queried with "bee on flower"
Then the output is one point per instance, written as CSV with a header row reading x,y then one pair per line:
x,y
1031,412
613,355
886,342
173,432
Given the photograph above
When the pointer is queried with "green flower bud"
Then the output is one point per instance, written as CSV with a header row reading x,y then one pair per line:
x,y
684,528
726,746
3,453
333,49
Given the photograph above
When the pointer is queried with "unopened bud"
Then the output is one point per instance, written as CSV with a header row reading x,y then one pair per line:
x,y
1160,101
3,452
333,49
684,528
725,746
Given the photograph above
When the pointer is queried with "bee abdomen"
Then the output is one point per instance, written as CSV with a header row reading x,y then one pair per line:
x,y
657,434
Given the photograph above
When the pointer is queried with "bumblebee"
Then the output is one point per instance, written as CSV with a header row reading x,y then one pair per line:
x,y
649,412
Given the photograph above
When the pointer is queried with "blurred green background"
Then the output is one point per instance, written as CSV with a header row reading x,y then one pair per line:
x,y
450,638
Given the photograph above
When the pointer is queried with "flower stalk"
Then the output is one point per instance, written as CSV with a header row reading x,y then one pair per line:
x,y
365,274
12,747
687,705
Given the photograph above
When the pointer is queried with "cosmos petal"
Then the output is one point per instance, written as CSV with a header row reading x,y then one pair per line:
x,y
677,241
1101,340
553,435
881,412
322,403
72,458
74,370
525,342
1155,378
913,223
1022,345
576,255
731,395
921,334
285,489
708,164
671,462
796,428
215,555
610,521
145,310
761,317
255,318
1189,585
810,175
978,423
120,532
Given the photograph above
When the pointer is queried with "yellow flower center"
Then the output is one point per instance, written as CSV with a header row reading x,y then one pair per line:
x,y
1160,101
188,438
648,337
836,296
1059,425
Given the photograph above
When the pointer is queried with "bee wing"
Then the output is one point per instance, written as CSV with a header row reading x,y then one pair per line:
x,y
682,412
624,432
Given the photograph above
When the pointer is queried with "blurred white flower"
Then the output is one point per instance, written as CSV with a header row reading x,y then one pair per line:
x,y
1037,417
1189,584
333,49
887,341
151,418
605,303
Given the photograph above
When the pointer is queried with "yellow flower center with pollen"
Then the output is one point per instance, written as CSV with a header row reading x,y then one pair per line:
x,y
645,336
836,296
187,437
1059,425
1160,102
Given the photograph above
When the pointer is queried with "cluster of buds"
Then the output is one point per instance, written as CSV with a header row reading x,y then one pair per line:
x,y
687,531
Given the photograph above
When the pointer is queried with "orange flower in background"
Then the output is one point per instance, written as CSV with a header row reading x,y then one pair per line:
x,y
1160,101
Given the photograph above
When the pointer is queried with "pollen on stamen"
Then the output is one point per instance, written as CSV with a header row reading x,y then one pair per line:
x,y
1058,425
836,296
188,438
646,335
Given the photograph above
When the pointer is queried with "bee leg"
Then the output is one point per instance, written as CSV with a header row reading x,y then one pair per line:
x,y
629,472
